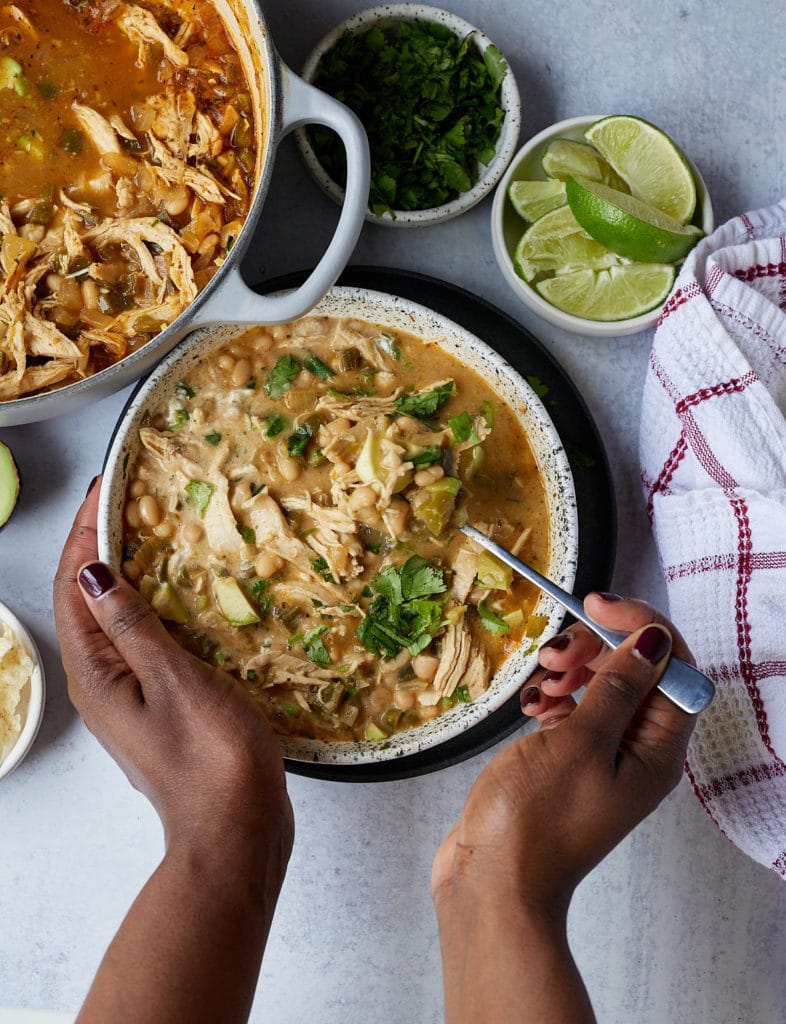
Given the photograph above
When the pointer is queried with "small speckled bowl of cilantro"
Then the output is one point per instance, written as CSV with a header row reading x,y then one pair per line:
x,y
438,101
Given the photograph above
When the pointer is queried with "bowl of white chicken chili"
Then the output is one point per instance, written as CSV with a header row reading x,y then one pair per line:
x,y
288,499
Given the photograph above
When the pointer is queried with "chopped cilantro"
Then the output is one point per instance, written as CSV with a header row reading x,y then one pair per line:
x,y
315,365
461,693
429,102
297,442
184,390
258,590
314,646
463,428
320,566
247,533
427,457
198,495
179,420
537,385
282,376
406,610
490,621
274,424
213,439
426,404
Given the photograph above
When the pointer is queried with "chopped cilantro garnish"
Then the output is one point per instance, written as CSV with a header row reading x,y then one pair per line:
x,y
426,404
491,621
463,428
427,457
247,533
258,590
274,424
282,376
537,385
320,566
198,495
429,102
184,390
314,646
461,693
213,439
297,441
406,610
315,365
179,420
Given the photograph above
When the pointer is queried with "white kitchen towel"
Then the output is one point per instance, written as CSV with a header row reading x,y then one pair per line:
x,y
713,457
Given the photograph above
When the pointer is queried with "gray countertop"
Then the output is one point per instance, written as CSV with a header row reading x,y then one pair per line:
x,y
676,925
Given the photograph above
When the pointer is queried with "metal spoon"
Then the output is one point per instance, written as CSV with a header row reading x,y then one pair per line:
x,y
688,688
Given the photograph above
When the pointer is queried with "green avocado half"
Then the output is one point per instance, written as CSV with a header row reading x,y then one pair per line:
x,y
9,484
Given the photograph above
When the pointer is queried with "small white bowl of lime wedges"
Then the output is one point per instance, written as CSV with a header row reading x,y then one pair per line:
x,y
592,220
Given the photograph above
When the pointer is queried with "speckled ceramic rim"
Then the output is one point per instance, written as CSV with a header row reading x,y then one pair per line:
x,y
401,314
509,97
532,151
33,694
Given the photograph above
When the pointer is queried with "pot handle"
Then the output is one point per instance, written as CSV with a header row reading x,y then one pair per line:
x,y
303,104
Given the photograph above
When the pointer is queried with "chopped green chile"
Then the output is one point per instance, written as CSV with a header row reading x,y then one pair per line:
x,y
309,561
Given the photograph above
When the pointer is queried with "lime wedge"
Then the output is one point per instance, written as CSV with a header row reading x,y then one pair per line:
x,y
655,170
628,226
565,157
557,242
531,199
618,293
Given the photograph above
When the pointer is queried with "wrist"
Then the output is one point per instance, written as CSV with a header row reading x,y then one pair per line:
x,y
241,852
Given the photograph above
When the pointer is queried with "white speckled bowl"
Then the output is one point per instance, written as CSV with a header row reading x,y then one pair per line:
x,y
32,699
507,228
509,97
404,315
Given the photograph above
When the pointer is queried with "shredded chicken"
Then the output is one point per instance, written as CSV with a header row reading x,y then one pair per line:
x,y
142,28
462,663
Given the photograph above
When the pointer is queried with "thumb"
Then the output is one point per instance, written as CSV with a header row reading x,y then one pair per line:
x,y
625,678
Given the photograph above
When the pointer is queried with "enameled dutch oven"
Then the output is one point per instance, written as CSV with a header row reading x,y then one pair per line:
x,y
282,103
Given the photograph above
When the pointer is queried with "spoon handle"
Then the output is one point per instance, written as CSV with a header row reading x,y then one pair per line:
x,y
688,688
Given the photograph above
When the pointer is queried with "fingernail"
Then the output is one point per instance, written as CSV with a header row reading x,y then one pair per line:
x,y
91,485
551,677
557,643
606,596
96,579
528,697
653,644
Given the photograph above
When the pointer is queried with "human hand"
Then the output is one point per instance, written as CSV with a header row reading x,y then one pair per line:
x,y
552,804
187,735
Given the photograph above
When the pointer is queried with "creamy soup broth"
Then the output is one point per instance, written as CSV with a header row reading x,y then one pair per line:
x,y
293,516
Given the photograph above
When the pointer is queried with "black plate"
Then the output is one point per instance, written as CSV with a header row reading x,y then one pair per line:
x,y
594,491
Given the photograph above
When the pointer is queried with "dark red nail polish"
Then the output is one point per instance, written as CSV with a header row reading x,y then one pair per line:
x,y
551,675
528,697
557,643
91,485
96,579
606,596
653,645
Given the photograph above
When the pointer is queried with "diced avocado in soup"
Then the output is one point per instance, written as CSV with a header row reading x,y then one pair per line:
x,y
303,534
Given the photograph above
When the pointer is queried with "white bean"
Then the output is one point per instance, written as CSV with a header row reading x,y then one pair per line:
x,y
132,515
149,512
241,373
429,475
268,564
362,497
193,533
425,666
